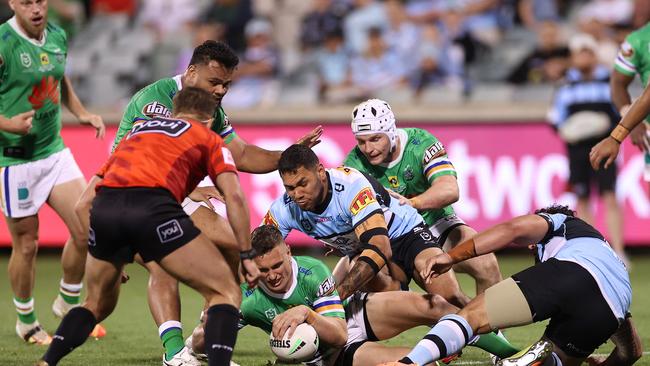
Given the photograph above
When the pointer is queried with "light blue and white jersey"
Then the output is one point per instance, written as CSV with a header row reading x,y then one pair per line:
x,y
353,197
571,239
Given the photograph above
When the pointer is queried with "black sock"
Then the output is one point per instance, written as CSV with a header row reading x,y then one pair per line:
x,y
406,360
221,333
72,333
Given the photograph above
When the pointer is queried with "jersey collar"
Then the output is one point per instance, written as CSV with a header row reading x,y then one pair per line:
x,y
294,283
177,79
13,23
323,206
403,140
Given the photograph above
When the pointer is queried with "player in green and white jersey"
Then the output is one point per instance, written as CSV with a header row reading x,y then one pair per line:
x,y
297,289
633,58
414,165
211,68
35,165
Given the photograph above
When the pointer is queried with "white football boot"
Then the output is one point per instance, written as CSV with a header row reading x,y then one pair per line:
x,y
535,355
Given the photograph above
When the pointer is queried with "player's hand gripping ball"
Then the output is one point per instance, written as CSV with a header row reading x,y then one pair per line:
x,y
302,345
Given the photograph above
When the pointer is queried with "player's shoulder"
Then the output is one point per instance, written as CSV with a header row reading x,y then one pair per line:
x,y
155,99
355,158
420,138
639,37
345,175
307,265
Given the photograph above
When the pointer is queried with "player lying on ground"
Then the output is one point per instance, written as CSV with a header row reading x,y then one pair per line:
x,y
211,69
578,283
356,216
297,289
137,210
414,164
35,165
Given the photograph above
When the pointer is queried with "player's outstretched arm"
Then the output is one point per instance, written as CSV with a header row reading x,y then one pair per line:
x,y
373,234
72,102
254,159
522,230
330,330
239,219
607,149
442,192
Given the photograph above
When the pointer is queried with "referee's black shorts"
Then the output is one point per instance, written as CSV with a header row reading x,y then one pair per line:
x,y
126,221
566,293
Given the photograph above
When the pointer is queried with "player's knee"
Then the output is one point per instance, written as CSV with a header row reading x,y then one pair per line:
x,y
159,280
26,246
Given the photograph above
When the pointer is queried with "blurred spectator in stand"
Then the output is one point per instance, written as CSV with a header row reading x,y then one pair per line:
x,y
438,62
377,68
532,13
367,14
286,17
598,18
547,62
401,36
67,14
333,66
231,17
201,32
255,83
641,13
583,114
168,18
323,20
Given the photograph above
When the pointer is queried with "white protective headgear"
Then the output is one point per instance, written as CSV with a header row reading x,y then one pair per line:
x,y
374,116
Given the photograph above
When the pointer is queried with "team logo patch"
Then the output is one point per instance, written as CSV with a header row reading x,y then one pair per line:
x,y
46,89
172,128
91,238
326,287
344,169
408,173
270,313
156,109
306,225
393,181
362,200
169,231
426,235
25,59
433,152
269,220
627,50
45,59
339,187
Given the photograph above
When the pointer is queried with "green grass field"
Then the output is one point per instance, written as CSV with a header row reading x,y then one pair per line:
x,y
133,339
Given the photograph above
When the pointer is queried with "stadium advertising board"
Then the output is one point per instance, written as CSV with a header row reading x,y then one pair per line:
x,y
504,170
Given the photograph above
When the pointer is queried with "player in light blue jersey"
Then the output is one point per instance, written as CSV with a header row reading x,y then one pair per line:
x,y
354,214
578,283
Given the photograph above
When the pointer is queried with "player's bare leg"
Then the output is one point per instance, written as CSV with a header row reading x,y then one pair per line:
x,y
583,207
371,353
103,280
614,219
22,272
445,285
221,293
388,320
483,269
73,260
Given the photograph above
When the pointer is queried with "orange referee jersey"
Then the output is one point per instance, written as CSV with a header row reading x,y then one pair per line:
x,y
168,153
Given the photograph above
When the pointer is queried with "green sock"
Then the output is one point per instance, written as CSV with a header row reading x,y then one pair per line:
x,y
25,310
71,293
496,345
172,341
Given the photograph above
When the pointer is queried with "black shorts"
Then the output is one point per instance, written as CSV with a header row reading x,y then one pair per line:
x,y
581,319
582,175
126,221
406,247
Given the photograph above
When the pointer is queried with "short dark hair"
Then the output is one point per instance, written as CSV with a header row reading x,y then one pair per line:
x,y
555,208
266,237
297,156
214,51
193,100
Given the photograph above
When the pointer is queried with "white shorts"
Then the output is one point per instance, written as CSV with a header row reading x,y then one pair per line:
x,y
355,316
189,206
26,187
441,228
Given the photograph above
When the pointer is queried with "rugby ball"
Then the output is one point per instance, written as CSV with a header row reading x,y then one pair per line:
x,y
302,346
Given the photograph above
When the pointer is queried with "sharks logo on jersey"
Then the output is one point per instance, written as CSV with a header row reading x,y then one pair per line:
x,y
356,198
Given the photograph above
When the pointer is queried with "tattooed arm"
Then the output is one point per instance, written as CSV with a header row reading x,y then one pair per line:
x,y
373,233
